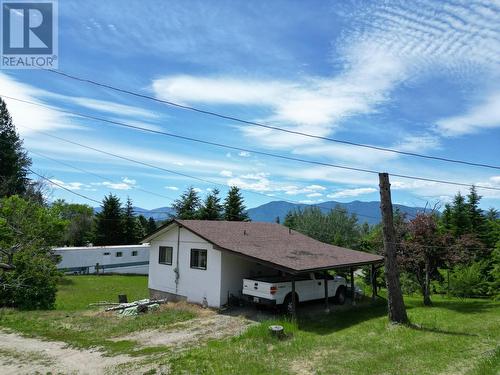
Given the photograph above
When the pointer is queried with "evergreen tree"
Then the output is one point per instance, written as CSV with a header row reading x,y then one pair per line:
x,y
234,207
14,161
109,223
151,226
460,222
131,229
188,205
143,225
447,218
212,208
476,217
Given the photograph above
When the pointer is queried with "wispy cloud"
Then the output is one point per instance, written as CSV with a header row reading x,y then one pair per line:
x,y
348,193
485,115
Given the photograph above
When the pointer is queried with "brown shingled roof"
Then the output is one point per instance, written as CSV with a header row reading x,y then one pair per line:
x,y
275,244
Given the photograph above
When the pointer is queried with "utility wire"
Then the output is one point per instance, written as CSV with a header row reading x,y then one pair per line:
x,y
101,177
63,187
236,119
119,123
182,174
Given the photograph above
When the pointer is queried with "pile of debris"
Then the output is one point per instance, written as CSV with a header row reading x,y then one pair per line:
x,y
133,308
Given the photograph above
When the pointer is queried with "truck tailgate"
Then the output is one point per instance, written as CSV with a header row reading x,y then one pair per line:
x,y
257,288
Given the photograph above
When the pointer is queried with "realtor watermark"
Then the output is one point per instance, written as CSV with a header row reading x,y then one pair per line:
x,y
29,34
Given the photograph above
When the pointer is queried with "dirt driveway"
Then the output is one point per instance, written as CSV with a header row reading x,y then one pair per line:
x,y
22,355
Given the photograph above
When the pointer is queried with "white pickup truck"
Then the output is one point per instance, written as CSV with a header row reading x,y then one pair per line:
x,y
277,290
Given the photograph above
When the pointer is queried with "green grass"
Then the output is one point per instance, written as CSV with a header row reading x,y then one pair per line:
x,y
453,337
75,323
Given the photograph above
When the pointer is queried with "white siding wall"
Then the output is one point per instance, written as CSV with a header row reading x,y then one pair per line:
x,y
89,256
194,284
234,270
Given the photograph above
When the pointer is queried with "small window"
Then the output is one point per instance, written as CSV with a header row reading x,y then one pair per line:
x,y
199,259
119,254
165,255
106,253
134,253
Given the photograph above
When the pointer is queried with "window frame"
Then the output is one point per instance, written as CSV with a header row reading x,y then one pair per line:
x,y
167,250
199,251
119,254
135,253
106,253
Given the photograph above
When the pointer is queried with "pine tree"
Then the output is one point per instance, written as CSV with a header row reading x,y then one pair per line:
x,y
234,207
212,208
131,229
151,226
476,217
460,222
447,218
14,161
188,205
109,224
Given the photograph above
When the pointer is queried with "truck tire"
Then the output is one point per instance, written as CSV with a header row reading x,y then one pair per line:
x,y
287,305
340,295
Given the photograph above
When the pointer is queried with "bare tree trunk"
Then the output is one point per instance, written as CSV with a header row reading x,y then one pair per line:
x,y
396,306
427,281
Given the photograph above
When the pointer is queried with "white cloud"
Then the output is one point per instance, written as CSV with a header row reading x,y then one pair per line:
x,y
67,185
226,173
197,190
251,181
125,184
311,189
314,195
351,192
23,114
174,188
485,115
244,154
110,107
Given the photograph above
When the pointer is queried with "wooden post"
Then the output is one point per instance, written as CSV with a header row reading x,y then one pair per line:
x,y
294,299
373,279
353,300
327,307
395,302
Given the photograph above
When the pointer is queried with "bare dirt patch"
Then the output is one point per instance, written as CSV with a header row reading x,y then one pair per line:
x,y
193,332
22,355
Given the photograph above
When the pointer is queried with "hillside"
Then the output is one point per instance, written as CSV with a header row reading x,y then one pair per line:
x,y
366,211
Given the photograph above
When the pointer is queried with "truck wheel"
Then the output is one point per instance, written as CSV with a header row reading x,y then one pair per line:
x,y
287,306
340,296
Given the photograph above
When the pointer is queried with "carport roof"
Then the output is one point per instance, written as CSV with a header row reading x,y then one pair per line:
x,y
273,244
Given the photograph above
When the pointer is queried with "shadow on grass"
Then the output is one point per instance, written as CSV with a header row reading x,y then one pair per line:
x,y
466,306
324,324
65,281
419,327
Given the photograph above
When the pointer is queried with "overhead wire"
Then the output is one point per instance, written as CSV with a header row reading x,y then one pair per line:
x,y
267,126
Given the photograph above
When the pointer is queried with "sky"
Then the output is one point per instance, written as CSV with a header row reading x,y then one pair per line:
x,y
419,76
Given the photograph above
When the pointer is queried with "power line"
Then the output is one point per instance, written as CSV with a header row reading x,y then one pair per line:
x,y
63,187
99,176
182,174
248,122
290,158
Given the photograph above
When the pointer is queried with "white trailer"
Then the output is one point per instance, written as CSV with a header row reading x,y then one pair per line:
x,y
277,290
126,259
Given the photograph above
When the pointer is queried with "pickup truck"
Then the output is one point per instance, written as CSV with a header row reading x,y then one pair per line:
x,y
277,290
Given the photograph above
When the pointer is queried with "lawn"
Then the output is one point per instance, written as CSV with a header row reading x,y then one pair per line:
x,y
453,337
75,323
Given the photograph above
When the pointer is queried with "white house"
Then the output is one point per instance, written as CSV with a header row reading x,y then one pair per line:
x,y
206,261
111,259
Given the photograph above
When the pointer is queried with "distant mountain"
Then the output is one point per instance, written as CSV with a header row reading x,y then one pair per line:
x,y
366,211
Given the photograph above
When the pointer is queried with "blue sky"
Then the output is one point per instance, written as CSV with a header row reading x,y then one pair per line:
x,y
417,76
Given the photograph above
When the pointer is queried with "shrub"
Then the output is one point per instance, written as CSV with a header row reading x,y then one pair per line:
x,y
468,281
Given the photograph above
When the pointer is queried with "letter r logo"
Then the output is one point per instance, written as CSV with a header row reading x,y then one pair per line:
x,y
27,28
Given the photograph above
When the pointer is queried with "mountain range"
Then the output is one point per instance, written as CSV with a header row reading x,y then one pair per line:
x,y
367,211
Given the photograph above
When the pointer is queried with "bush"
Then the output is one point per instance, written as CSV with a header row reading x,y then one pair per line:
x,y
468,281
408,284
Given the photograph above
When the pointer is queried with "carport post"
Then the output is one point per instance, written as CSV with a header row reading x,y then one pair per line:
x,y
373,278
294,299
352,287
327,308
